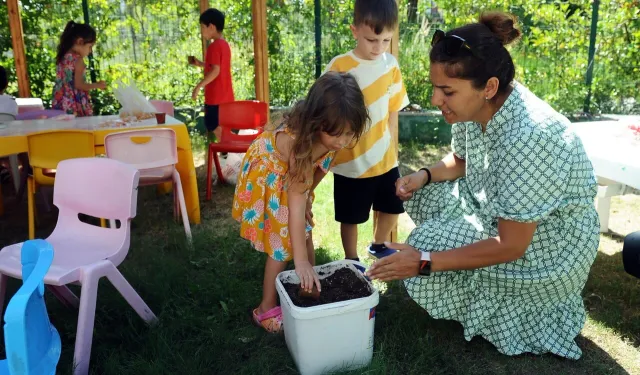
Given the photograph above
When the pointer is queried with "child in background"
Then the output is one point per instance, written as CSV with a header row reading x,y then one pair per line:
x,y
7,102
217,84
9,106
281,169
365,175
71,90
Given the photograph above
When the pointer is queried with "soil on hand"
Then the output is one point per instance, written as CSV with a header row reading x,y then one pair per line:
x,y
343,285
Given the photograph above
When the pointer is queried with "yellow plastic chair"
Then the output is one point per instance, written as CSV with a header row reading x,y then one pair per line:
x,y
46,150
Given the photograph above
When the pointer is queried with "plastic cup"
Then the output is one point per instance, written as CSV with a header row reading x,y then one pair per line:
x,y
161,117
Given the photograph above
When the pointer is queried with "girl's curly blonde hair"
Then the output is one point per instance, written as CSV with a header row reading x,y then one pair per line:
x,y
334,104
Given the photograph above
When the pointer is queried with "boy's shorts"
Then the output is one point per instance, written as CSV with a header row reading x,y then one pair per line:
x,y
211,117
353,197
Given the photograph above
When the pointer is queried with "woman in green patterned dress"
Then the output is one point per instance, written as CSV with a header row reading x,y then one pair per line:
x,y
506,227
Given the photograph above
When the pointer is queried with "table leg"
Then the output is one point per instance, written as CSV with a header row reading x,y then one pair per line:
x,y
189,182
15,171
606,190
603,205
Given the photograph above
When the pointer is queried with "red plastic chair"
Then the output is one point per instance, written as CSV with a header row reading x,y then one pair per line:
x,y
240,115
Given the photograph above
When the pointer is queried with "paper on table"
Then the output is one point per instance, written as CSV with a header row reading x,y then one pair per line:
x,y
119,123
131,99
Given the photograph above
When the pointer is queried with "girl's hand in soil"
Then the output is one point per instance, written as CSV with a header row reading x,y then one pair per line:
x,y
399,266
307,275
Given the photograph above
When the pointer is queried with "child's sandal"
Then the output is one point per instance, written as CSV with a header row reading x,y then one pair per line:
x,y
270,321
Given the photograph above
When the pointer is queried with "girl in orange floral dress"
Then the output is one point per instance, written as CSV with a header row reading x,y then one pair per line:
x,y
274,192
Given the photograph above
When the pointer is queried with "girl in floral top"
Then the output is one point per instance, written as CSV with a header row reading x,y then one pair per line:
x,y
274,192
71,90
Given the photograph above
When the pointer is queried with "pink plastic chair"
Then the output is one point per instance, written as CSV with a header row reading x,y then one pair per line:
x,y
154,153
163,106
85,253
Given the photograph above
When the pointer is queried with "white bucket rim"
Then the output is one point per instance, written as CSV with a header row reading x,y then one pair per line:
x,y
328,309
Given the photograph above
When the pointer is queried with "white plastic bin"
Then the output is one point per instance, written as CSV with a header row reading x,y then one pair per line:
x,y
331,337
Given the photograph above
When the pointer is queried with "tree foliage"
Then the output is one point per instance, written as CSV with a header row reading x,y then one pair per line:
x,y
147,41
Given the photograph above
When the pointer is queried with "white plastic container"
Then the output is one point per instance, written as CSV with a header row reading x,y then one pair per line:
x,y
331,337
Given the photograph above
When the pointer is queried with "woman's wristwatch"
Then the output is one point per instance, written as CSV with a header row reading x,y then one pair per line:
x,y
425,263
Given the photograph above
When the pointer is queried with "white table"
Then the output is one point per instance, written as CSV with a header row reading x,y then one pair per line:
x,y
90,123
13,140
614,150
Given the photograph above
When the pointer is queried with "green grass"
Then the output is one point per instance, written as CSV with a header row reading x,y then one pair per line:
x,y
203,299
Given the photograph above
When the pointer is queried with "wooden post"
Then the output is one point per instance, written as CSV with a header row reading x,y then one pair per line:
x,y
317,18
17,41
592,53
261,58
204,5
394,50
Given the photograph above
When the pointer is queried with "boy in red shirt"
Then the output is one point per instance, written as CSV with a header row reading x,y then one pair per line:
x,y
217,69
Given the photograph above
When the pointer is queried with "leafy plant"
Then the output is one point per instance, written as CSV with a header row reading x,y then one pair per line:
x,y
148,41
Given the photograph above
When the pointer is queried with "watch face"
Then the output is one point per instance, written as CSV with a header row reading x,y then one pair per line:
x,y
425,267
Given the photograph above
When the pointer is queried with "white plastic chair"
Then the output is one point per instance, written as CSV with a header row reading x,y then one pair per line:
x,y
6,117
154,153
85,253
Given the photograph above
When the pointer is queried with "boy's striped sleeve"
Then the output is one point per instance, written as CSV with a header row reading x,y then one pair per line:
x,y
399,98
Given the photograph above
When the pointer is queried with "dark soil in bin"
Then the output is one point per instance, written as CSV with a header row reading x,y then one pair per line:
x,y
343,285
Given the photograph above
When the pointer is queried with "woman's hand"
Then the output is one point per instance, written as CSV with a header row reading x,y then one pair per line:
x,y
307,275
407,185
399,266
101,85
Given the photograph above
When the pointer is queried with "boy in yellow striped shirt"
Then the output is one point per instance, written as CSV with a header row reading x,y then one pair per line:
x,y
365,175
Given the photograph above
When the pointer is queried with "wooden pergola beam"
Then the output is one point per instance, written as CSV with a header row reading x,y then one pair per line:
x,y
204,5
261,57
17,41
394,49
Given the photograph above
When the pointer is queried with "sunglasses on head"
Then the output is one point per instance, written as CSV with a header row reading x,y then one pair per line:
x,y
452,43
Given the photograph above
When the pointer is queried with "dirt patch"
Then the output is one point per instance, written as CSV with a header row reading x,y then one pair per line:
x,y
343,285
